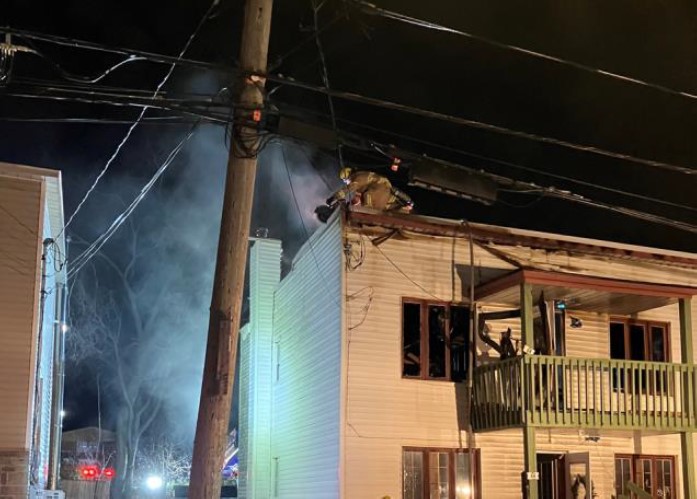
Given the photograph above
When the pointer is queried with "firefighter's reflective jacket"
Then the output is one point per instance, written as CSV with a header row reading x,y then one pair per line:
x,y
372,191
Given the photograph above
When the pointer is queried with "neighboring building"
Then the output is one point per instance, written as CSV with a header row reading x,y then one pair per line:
x,y
89,447
353,364
31,212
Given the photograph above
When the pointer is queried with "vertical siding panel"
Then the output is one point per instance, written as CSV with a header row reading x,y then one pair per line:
x,y
20,242
306,397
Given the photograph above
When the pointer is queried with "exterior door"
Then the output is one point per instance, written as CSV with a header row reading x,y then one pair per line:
x,y
578,476
552,475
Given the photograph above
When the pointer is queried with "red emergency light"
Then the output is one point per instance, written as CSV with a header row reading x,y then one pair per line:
x,y
109,473
89,472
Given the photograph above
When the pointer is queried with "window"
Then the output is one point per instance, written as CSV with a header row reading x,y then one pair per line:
x,y
639,340
654,474
435,340
437,474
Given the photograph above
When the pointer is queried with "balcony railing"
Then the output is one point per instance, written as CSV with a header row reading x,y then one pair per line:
x,y
553,391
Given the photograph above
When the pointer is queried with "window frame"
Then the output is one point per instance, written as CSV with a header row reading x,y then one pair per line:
x,y
424,335
654,458
452,454
648,344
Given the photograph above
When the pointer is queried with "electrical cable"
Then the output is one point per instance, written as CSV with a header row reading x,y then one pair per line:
x,y
140,117
280,79
480,125
503,162
279,60
84,79
302,222
156,104
325,73
82,44
404,274
79,262
370,8
152,120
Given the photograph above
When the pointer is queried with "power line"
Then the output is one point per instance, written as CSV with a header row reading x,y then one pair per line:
x,y
385,104
370,8
325,72
98,47
283,80
153,120
499,161
531,188
85,79
528,187
79,262
302,220
140,117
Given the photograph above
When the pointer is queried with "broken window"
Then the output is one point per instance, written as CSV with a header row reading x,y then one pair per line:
x,y
435,340
642,341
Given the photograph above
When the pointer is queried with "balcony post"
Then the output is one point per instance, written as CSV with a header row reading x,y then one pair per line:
x,y
688,458
530,479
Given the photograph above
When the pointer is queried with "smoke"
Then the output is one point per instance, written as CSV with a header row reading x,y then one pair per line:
x,y
177,232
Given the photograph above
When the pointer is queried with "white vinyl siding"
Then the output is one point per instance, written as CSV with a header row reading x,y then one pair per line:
x,y
306,396
386,413
244,415
256,371
20,244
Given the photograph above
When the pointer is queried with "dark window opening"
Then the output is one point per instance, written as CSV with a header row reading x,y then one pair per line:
x,y
435,340
411,339
642,341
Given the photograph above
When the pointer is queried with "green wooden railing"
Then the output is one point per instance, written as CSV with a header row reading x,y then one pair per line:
x,y
574,392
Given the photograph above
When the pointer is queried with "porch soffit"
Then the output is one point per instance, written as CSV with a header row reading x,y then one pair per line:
x,y
591,294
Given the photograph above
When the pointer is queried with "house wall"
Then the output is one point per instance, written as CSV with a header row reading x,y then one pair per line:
x,y
256,368
305,443
502,456
20,242
385,413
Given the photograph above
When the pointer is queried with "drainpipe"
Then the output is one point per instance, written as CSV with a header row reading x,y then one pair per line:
x,y
36,430
59,331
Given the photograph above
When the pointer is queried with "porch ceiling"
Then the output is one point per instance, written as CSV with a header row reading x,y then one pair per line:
x,y
581,292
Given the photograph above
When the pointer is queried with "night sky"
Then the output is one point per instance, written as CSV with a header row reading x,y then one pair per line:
x,y
654,41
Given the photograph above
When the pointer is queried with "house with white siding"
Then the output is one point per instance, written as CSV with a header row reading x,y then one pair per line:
x,y
410,357
32,277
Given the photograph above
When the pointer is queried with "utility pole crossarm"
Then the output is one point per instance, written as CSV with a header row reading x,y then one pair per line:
x,y
228,283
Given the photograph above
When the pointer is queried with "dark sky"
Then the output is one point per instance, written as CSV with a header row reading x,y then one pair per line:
x,y
655,41
438,71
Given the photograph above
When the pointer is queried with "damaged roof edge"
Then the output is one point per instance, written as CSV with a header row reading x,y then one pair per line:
x,y
518,237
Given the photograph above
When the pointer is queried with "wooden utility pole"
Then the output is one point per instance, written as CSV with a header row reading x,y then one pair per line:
x,y
228,284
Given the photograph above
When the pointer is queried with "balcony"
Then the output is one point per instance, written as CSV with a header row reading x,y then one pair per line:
x,y
549,391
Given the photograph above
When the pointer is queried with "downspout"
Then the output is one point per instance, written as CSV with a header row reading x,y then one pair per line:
x,y
36,430
54,461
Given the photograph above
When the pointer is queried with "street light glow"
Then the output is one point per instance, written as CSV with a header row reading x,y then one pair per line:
x,y
154,482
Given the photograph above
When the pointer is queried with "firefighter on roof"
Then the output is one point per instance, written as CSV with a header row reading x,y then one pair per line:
x,y
365,188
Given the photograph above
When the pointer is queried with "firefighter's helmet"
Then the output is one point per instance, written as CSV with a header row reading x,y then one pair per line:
x,y
345,174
